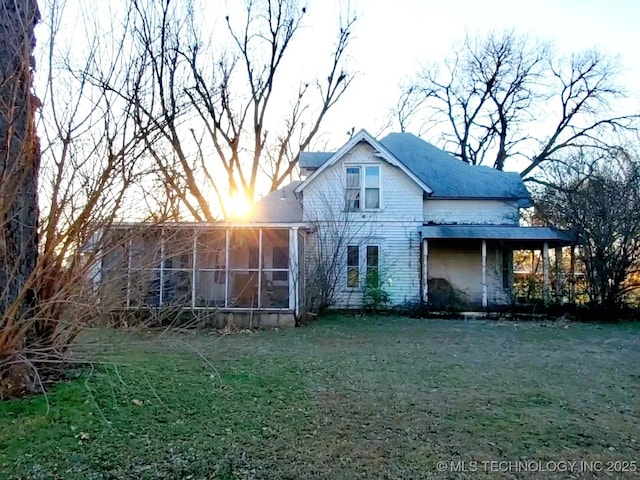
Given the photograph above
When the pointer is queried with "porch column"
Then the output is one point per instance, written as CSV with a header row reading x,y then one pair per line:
x,y
546,287
259,304
484,274
572,274
559,276
425,270
227,235
194,266
129,264
294,271
162,253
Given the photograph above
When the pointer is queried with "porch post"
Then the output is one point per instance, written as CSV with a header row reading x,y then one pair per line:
x,y
259,305
129,263
559,276
425,270
193,266
545,274
294,270
227,235
162,253
572,274
484,274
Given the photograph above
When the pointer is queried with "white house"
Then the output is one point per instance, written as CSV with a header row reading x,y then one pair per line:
x,y
422,224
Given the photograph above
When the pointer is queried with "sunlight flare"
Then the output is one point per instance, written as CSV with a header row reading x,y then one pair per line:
x,y
238,206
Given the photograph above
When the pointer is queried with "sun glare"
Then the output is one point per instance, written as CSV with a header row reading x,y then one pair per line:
x,y
238,206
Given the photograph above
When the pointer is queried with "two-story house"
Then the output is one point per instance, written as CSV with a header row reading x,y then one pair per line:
x,y
418,222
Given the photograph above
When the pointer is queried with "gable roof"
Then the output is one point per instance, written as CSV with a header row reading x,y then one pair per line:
x,y
381,152
450,177
439,173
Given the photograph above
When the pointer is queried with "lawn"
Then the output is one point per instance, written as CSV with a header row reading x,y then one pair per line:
x,y
344,397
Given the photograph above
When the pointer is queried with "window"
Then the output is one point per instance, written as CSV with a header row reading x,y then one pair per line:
x,y
373,258
372,187
372,271
353,266
353,188
358,187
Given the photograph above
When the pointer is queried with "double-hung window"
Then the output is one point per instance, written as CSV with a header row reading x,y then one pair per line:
x,y
362,183
371,263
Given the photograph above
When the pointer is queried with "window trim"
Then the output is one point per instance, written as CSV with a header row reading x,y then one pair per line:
x,y
368,269
362,266
362,188
358,189
365,187
350,267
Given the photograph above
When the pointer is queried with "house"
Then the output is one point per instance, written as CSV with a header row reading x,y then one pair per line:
x,y
395,214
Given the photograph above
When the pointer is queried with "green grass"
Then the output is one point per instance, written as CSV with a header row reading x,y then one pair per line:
x,y
345,397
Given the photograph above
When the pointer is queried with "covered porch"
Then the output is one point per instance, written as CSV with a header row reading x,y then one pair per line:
x,y
195,266
473,264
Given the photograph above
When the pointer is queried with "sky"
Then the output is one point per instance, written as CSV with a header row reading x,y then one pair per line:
x,y
393,38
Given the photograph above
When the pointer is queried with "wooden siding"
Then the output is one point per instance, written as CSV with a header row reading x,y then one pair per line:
x,y
399,255
492,212
393,227
401,198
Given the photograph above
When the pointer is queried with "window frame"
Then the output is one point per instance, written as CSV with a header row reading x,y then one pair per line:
x,y
369,268
358,202
366,187
350,267
350,189
362,266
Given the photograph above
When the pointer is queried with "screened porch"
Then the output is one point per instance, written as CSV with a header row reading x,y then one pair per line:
x,y
202,267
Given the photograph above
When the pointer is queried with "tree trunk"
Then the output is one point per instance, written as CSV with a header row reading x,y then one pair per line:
x,y
19,159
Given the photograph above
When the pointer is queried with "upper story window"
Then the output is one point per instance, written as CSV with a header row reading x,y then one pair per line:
x,y
353,188
363,183
372,186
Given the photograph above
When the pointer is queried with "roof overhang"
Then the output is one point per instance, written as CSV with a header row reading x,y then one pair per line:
x,y
381,152
523,237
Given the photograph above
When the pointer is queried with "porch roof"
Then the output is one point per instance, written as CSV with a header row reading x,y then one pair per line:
x,y
514,233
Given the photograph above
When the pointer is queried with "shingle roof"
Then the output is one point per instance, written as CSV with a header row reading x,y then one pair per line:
x,y
280,206
448,176
313,159
498,232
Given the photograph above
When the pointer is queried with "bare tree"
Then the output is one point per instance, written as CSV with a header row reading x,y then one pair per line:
x,y
19,164
598,195
213,105
90,170
506,96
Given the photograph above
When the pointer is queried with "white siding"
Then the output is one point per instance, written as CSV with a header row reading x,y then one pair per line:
x,y
495,212
394,227
401,198
399,252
